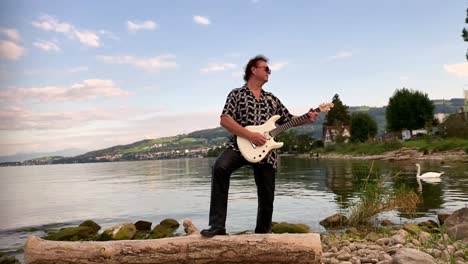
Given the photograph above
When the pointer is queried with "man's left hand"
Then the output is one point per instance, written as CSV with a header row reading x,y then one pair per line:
x,y
312,116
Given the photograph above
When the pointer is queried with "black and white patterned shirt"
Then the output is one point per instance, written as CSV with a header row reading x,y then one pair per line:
x,y
242,106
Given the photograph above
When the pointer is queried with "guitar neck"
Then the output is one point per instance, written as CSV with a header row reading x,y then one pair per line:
x,y
291,123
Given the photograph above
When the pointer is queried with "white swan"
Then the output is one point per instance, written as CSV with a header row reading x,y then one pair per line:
x,y
427,174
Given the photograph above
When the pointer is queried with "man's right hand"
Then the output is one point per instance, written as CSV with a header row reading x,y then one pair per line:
x,y
257,139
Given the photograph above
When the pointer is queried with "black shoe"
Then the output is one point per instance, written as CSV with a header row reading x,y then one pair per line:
x,y
213,231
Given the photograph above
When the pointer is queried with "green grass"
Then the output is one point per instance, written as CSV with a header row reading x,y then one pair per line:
x,y
372,148
375,197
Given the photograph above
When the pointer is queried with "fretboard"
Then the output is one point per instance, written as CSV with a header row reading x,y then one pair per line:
x,y
291,123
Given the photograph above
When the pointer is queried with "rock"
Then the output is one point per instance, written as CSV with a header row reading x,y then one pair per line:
x,y
416,242
386,223
412,256
344,256
71,234
123,231
458,217
161,231
457,225
429,226
143,225
336,220
403,233
283,227
91,224
459,232
397,239
141,234
424,237
412,228
383,241
352,230
372,236
459,254
171,223
442,217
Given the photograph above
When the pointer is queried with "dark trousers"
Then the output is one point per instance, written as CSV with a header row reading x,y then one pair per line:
x,y
229,161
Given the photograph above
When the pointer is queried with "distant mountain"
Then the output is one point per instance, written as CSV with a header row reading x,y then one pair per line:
x,y
194,144
70,152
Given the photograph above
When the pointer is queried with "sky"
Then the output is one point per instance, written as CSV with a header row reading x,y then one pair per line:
x,y
94,74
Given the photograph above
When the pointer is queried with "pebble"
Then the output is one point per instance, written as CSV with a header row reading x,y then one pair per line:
x,y
338,251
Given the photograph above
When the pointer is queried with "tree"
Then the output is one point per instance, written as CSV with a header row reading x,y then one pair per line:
x,y
456,125
465,33
338,115
408,109
363,127
288,137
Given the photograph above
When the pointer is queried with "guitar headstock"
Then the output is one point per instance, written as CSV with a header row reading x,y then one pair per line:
x,y
325,107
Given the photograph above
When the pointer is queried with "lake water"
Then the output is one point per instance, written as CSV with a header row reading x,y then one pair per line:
x,y
307,190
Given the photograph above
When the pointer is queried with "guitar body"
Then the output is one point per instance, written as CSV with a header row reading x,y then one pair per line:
x,y
269,130
254,153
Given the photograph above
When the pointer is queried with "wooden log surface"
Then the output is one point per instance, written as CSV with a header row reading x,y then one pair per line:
x,y
251,248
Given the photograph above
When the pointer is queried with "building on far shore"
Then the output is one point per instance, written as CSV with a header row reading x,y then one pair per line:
x,y
330,134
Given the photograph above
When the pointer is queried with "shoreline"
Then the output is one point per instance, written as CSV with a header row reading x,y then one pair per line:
x,y
396,155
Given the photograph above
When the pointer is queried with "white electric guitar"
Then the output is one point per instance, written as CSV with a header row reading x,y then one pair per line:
x,y
253,153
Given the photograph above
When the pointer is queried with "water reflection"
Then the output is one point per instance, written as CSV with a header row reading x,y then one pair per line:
x,y
307,190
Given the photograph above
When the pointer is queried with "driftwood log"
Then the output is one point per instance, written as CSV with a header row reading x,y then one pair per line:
x,y
251,248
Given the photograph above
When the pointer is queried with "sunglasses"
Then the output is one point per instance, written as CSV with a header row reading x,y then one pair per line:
x,y
267,69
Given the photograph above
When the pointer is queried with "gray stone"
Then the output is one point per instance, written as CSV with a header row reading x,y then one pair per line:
x,y
344,256
459,232
143,225
335,220
457,225
372,236
412,228
415,242
383,241
424,237
458,217
403,233
386,223
397,239
459,253
412,256
123,231
442,217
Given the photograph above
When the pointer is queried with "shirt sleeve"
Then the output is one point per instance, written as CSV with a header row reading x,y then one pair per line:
x,y
283,112
230,107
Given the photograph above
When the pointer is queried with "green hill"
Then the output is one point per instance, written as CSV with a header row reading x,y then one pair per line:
x,y
197,143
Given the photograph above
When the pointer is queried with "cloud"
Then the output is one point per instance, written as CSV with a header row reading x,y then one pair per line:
x,y
135,26
84,91
149,64
11,33
108,34
341,55
77,69
201,20
217,67
38,131
46,45
404,78
88,38
16,118
49,23
10,50
459,69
